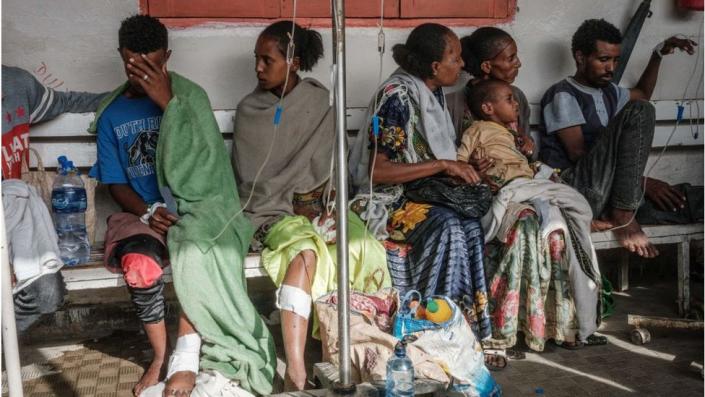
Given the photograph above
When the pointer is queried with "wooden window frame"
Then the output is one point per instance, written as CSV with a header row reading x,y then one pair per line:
x,y
398,13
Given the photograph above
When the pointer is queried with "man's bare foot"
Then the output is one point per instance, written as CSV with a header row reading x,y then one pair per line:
x,y
180,384
631,236
150,377
598,225
294,379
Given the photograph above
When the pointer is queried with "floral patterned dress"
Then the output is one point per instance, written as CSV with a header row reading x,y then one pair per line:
x,y
431,248
529,287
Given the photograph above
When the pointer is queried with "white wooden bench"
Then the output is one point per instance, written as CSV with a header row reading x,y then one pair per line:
x,y
67,136
94,275
680,235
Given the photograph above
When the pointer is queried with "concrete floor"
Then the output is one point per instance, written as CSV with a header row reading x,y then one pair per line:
x,y
670,365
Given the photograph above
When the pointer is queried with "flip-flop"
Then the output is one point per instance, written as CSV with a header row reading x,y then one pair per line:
x,y
495,360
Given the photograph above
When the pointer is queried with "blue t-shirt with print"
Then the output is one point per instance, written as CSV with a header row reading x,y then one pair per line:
x,y
128,131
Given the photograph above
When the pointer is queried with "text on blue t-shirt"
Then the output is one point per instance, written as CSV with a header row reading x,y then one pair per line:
x,y
128,131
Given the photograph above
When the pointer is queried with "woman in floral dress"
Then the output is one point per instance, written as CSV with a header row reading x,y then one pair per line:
x,y
529,287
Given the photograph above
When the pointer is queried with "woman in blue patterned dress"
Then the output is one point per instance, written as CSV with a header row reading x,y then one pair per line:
x,y
431,248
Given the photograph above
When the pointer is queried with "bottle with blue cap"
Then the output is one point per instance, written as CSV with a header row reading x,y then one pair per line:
x,y
68,204
400,373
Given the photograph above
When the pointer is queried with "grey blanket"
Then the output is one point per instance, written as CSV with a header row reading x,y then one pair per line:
x,y
584,272
301,156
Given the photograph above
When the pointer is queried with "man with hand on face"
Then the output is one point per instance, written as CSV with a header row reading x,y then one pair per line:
x,y
599,134
165,163
128,130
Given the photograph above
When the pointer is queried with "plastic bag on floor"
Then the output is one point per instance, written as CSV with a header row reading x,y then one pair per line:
x,y
452,345
371,342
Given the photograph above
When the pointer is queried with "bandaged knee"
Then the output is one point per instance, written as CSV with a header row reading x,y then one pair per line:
x,y
294,299
139,270
186,355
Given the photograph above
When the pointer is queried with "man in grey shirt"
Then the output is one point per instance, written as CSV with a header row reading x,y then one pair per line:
x,y
599,134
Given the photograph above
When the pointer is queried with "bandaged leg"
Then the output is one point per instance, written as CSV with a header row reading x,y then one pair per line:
x,y
186,355
294,300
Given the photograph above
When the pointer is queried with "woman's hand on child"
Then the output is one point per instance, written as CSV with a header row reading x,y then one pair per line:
x,y
461,170
162,220
154,79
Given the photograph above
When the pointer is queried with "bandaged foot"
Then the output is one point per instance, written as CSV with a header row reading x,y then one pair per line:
x,y
183,366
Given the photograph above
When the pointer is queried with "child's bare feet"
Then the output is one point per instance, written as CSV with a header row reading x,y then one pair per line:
x,y
150,377
631,236
598,225
180,384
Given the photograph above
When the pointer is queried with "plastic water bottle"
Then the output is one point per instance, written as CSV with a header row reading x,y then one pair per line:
x,y
400,373
68,204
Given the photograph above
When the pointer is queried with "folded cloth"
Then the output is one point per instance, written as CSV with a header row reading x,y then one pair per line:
x,y
32,240
511,216
550,215
374,210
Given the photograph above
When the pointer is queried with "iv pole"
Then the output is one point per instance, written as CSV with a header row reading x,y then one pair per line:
x,y
9,327
344,386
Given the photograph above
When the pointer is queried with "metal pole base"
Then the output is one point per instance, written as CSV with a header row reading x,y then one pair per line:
x,y
340,389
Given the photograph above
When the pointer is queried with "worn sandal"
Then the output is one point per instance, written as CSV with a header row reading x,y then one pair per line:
x,y
596,340
495,359
592,340
577,345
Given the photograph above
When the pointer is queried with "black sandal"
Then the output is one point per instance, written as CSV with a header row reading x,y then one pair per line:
x,y
514,354
592,340
596,340
577,345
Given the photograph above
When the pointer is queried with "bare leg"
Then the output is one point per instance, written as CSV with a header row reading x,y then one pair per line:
x,y
182,380
631,236
156,333
294,327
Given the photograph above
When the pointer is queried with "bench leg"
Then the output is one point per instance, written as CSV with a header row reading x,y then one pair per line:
x,y
623,271
684,276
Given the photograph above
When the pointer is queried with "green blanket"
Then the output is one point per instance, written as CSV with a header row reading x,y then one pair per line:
x,y
208,273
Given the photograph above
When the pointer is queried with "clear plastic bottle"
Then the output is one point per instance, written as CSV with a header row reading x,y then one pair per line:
x,y
400,373
68,204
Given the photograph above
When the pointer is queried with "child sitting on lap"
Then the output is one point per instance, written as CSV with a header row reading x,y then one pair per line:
x,y
490,145
490,137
